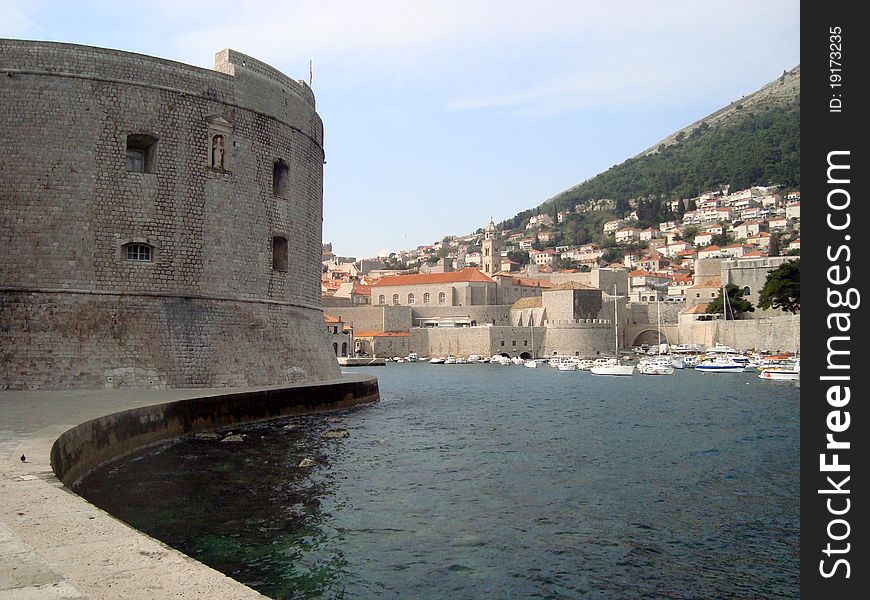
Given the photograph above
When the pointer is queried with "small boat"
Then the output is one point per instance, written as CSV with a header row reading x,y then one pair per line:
x,y
532,364
473,358
450,360
461,361
412,357
655,367
567,365
504,361
437,360
517,360
584,364
720,364
782,373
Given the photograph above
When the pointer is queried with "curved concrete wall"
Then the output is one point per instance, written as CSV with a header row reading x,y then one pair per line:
x,y
211,307
98,441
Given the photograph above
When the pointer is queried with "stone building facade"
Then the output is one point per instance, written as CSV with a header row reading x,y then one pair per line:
x,y
161,223
468,287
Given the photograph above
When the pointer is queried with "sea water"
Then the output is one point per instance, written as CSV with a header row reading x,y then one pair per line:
x,y
472,481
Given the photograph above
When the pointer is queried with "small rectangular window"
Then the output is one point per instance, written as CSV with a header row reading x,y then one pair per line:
x,y
138,252
279,253
141,153
281,179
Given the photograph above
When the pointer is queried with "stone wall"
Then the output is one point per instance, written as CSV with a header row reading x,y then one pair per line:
x,y
482,314
780,333
578,340
752,273
69,294
373,318
642,312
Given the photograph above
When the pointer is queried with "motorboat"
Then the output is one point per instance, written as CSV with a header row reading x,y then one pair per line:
x,y
532,364
782,373
655,367
473,358
450,360
720,364
584,364
567,365
437,360
412,357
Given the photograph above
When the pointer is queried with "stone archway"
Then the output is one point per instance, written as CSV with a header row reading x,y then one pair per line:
x,y
526,356
650,337
505,354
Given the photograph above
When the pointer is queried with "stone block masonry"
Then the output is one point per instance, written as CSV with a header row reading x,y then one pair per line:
x,y
161,223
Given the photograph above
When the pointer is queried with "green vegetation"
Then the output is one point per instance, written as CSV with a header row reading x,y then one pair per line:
x,y
783,288
763,148
736,303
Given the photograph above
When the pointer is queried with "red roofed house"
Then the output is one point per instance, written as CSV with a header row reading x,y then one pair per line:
x,y
466,287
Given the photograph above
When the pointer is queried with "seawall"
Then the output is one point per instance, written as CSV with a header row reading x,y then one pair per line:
x,y
55,544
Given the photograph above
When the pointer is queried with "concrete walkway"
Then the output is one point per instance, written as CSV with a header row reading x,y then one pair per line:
x,y
55,544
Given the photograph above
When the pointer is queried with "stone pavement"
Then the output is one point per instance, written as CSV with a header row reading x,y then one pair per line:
x,y
55,544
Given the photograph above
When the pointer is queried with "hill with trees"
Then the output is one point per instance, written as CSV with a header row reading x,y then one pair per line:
x,y
753,141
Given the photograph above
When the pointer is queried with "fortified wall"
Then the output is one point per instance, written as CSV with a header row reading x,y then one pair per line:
x,y
161,223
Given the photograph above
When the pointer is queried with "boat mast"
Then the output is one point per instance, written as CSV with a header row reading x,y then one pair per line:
x,y
615,325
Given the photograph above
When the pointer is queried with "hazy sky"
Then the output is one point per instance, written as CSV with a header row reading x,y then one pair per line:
x,y
441,114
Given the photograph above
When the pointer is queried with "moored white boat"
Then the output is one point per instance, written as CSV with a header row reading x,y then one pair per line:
x,y
720,364
655,367
782,373
567,365
437,360
613,369
532,364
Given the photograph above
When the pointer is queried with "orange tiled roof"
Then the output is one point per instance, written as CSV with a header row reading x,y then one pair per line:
x,y
698,309
715,282
468,274
331,319
528,302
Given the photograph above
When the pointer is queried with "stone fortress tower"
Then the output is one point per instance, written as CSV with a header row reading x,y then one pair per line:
x,y
490,250
160,223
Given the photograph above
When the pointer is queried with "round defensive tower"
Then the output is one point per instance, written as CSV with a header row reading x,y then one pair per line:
x,y
160,223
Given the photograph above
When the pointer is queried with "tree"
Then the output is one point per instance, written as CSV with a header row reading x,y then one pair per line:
x,y
520,257
736,303
782,289
721,239
773,250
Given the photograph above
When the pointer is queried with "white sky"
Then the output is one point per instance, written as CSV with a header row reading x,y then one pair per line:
x,y
441,114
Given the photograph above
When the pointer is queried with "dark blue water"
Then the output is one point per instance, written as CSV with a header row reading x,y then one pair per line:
x,y
500,482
